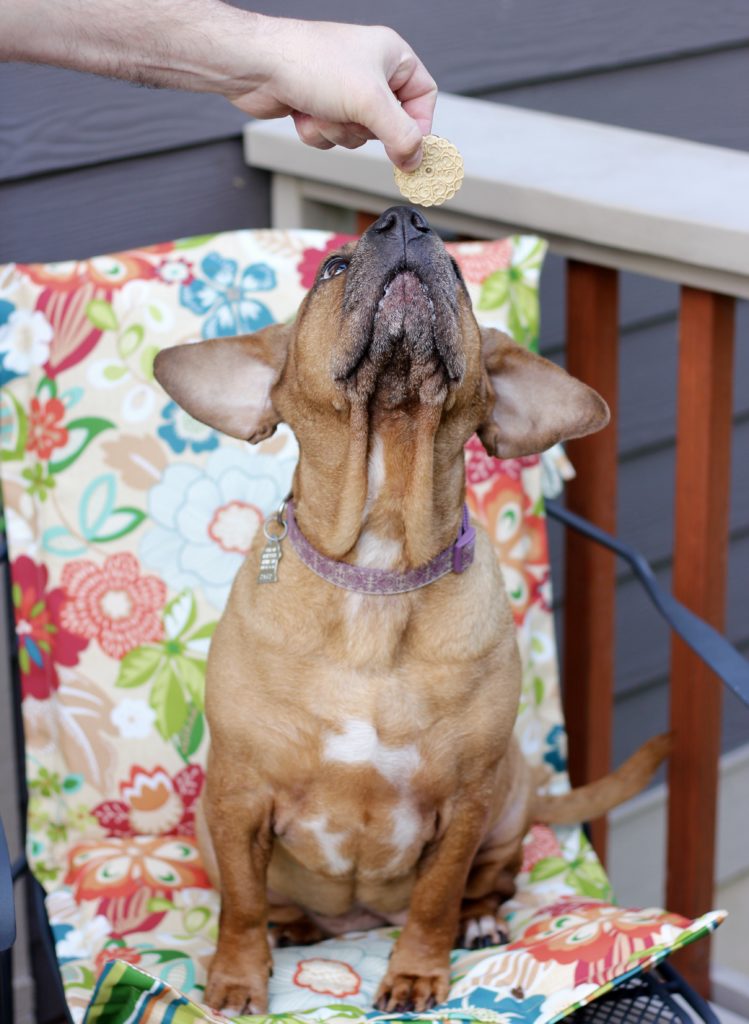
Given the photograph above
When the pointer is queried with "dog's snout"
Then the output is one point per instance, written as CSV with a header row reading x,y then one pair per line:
x,y
401,222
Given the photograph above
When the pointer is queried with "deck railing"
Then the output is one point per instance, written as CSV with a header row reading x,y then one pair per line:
x,y
608,199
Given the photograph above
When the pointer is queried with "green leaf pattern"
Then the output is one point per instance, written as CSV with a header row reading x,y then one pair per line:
x,y
514,289
175,673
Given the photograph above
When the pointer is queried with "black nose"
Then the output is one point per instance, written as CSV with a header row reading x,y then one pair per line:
x,y
401,222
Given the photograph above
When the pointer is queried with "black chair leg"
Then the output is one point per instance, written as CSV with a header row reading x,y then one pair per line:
x,y
6,986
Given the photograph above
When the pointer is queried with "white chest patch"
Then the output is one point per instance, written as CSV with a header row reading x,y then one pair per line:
x,y
406,826
329,843
375,473
360,744
375,552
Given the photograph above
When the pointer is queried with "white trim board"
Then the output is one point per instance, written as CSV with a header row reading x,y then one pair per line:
x,y
677,205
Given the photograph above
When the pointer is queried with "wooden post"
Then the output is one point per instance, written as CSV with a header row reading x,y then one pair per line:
x,y
364,221
590,580
703,460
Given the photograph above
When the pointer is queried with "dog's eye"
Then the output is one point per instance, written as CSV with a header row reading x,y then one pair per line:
x,y
336,265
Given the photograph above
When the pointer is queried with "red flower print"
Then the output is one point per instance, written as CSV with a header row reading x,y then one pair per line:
x,y
327,977
113,604
129,954
477,260
513,468
153,803
43,640
175,271
480,466
540,842
69,288
106,272
599,939
74,336
312,258
124,875
45,430
518,535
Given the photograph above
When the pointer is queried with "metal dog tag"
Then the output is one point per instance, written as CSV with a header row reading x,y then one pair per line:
x,y
269,559
271,554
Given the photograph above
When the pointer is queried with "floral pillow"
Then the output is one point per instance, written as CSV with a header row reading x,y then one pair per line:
x,y
127,521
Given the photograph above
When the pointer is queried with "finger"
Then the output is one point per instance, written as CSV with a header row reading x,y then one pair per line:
x,y
345,134
399,133
309,133
361,130
417,92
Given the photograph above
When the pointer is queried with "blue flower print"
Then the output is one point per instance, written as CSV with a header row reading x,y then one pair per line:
x,y
513,1011
225,300
6,374
181,431
556,755
205,517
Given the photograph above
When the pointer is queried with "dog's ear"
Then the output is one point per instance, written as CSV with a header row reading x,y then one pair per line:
x,y
531,403
227,382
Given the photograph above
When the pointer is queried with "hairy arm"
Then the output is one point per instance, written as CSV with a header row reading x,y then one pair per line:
x,y
342,84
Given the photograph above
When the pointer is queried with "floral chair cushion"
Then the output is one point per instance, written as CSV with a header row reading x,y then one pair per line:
x,y
127,521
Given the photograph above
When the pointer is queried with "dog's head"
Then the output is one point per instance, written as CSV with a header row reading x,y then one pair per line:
x,y
386,330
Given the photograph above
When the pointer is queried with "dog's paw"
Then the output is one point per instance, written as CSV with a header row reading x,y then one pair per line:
x,y
483,931
403,993
233,994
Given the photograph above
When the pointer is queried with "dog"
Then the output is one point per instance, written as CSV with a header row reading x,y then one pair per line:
x,y
362,765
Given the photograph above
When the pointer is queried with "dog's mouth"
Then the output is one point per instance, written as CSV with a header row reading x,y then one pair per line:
x,y
405,297
407,347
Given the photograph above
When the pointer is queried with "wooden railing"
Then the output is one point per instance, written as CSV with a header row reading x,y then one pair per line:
x,y
608,199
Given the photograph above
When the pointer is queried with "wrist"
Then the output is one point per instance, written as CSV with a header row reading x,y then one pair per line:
x,y
228,51
255,48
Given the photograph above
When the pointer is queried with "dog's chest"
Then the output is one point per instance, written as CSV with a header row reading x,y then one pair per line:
x,y
363,811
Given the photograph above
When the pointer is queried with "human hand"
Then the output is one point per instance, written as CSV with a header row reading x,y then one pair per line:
x,y
343,85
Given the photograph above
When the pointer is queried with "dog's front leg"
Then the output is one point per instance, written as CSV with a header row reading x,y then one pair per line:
x,y
240,825
418,974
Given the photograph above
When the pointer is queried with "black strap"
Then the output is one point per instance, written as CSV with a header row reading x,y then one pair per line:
x,y
717,653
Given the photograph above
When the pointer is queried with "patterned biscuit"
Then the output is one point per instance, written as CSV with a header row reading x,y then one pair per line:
x,y
437,178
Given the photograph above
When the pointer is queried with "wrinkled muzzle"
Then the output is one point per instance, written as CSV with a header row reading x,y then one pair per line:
x,y
400,339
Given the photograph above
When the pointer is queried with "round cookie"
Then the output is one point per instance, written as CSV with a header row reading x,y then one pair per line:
x,y
437,178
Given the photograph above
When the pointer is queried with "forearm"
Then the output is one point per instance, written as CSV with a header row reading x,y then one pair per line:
x,y
200,45
343,84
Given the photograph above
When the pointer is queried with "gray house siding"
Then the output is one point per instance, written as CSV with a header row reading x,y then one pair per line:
x,y
90,166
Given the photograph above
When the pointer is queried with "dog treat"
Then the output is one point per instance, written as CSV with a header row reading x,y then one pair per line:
x,y
437,178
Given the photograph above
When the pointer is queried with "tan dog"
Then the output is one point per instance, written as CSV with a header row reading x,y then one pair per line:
x,y
362,765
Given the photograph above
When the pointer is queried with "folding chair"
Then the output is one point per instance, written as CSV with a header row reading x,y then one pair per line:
x,y
126,521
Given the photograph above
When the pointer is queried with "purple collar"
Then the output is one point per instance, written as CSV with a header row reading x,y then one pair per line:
x,y
457,558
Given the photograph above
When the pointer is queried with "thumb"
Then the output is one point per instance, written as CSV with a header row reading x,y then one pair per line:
x,y
399,133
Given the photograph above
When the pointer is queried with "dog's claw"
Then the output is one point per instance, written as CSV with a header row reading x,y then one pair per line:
x,y
406,993
484,931
233,994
